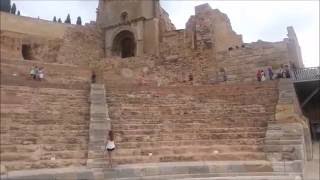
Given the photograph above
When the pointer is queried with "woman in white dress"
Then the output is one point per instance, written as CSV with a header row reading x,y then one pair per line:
x,y
110,146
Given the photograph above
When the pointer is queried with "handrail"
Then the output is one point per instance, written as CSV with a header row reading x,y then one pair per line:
x,y
306,74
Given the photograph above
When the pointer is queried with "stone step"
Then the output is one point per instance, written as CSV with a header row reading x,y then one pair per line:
x,y
199,142
229,176
195,130
182,170
186,136
175,125
235,156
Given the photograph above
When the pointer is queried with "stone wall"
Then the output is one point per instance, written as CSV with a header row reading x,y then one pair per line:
x,y
173,43
49,42
212,30
242,63
165,22
81,45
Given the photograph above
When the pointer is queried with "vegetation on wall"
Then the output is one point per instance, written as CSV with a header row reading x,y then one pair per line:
x,y
13,9
68,20
79,21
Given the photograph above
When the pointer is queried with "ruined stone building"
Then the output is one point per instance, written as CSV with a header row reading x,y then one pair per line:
x,y
182,103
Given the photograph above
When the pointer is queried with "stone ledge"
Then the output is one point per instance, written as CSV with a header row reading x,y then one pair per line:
x,y
213,168
73,173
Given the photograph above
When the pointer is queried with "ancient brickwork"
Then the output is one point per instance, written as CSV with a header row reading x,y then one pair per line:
x,y
78,45
173,44
212,30
165,22
43,124
187,123
242,63
81,45
39,48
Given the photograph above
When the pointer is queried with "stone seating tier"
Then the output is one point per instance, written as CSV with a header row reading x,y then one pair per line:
x,y
43,124
190,123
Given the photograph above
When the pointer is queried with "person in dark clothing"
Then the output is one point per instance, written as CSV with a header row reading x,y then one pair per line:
x,y
270,73
93,77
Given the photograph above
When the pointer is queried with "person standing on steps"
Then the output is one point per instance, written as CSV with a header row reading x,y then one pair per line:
x,y
259,75
270,73
263,75
93,77
110,147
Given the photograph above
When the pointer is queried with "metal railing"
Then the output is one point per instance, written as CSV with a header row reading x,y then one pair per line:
x,y
306,74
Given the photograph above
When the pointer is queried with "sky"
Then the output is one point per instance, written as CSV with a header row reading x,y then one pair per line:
x,y
254,20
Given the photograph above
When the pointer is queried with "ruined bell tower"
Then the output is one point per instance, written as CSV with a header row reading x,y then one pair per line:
x,y
131,27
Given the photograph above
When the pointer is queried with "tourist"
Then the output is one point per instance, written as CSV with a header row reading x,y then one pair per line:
x,y
282,72
263,76
41,74
110,147
259,75
93,77
270,73
33,72
287,71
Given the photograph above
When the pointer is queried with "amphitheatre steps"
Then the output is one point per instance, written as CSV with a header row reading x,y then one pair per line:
x,y
43,124
190,123
59,76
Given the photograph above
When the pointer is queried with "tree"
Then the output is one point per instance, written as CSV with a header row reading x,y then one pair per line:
x,y
13,9
54,19
59,20
5,5
68,20
79,22
18,13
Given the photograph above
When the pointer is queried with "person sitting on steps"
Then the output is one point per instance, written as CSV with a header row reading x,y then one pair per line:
x,y
33,72
41,74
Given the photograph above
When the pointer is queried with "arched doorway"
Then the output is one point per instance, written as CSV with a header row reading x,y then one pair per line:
x,y
124,44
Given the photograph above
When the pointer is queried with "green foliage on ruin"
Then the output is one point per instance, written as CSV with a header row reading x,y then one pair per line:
x,y
13,9
54,19
79,21
68,20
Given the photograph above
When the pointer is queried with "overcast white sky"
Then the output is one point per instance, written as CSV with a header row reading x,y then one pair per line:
x,y
265,20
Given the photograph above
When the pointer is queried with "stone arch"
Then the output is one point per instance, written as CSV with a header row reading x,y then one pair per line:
x,y
124,44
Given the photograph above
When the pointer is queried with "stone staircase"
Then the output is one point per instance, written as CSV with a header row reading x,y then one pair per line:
x,y
284,142
100,124
43,127
188,123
